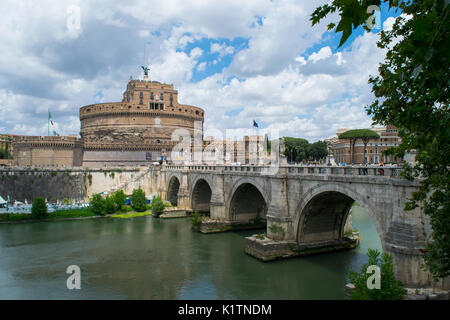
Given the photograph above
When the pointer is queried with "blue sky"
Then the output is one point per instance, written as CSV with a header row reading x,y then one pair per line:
x,y
240,61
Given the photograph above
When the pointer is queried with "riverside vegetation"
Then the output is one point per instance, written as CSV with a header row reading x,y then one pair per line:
x,y
113,206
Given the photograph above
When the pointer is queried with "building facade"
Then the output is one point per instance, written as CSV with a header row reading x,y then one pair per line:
x,y
373,154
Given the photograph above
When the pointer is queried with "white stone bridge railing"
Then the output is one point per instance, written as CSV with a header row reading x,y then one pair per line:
x,y
378,171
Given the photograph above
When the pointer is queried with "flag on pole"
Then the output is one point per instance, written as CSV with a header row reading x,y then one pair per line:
x,y
50,118
255,125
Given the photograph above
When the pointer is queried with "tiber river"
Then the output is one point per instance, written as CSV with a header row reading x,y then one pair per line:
x,y
146,258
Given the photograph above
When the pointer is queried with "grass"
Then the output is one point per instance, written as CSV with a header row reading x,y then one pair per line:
x,y
73,213
131,215
125,213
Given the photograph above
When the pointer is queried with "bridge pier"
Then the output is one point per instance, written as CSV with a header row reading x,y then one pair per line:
x,y
217,206
183,196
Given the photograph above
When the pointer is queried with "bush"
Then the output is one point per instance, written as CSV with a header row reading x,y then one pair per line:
x,y
157,206
110,205
97,204
138,200
196,220
390,288
119,199
39,208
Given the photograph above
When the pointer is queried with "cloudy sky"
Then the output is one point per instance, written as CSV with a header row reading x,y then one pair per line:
x,y
239,60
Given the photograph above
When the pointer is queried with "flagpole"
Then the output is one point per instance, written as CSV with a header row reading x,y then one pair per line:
x,y
48,122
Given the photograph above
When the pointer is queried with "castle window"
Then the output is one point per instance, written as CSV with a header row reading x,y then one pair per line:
x,y
141,96
161,97
171,100
151,96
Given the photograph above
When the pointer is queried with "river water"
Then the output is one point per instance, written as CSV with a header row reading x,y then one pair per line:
x,y
146,258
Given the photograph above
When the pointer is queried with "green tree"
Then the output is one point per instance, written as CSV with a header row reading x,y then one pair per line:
x,y
39,208
110,206
318,150
298,149
119,198
97,204
157,206
412,93
390,288
353,135
138,200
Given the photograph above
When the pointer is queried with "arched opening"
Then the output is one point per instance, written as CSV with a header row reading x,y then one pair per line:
x,y
247,204
172,191
324,217
201,197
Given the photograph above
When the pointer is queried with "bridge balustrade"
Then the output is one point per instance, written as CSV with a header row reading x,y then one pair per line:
x,y
359,171
348,171
363,171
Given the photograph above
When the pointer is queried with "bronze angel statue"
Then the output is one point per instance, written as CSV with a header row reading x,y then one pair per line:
x,y
145,70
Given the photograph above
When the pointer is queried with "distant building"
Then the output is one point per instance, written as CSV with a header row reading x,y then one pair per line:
x,y
248,150
374,150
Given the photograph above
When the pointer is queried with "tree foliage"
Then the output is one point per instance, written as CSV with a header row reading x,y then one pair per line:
x,y
363,134
110,205
119,198
298,150
39,208
138,200
157,206
390,288
97,204
412,93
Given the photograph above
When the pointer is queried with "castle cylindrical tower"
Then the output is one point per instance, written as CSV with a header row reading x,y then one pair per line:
x,y
137,130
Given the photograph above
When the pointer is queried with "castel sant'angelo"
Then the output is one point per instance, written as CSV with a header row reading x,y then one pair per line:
x,y
135,131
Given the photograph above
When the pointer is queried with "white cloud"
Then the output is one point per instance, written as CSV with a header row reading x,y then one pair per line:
x,y
201,66
42,66
323,53
222,49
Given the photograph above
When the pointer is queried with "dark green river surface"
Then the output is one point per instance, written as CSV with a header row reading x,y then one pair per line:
x,y
147,258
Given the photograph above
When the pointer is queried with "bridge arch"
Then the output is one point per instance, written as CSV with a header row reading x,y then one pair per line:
x,y
201,196
322,213
173,186
247,200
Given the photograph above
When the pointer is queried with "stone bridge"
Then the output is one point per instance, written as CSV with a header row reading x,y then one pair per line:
x,y
306,208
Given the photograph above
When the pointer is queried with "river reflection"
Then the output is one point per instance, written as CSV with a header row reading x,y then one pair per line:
x,y
146,258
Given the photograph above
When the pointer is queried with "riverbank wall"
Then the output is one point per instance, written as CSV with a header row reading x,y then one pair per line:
x,y
75,184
